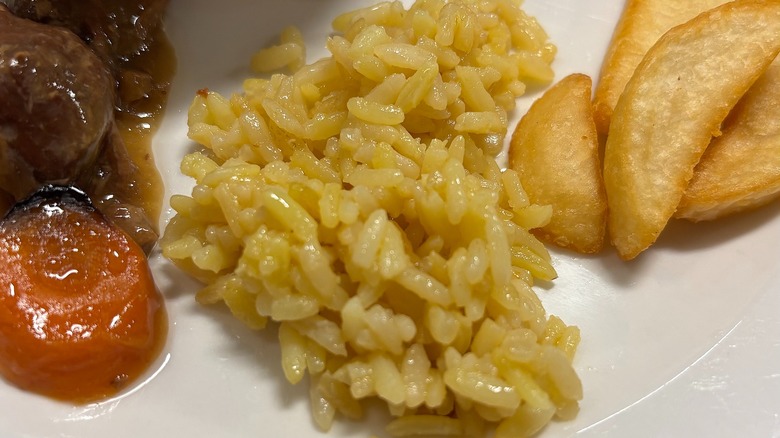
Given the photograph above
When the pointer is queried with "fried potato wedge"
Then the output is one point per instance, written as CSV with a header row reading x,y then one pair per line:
x,y
740,169
640,26
673,106
555,151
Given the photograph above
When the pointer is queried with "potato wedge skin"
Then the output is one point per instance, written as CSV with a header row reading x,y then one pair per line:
x,y
740,169
555,151
672,106
642,23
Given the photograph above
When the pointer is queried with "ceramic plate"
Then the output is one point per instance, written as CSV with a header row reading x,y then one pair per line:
x,y
684,341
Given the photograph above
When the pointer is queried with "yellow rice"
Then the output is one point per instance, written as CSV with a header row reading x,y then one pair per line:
x,y
356,203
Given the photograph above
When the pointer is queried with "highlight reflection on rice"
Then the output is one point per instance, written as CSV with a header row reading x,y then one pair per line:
x,y
356,202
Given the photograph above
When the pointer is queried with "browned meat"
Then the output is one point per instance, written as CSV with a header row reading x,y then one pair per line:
x,y
115,65
57,104
115,29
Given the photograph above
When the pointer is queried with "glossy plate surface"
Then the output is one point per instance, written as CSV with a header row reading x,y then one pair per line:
x,y
684,341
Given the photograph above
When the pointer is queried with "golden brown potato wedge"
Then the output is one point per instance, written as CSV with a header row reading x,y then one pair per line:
x,y
640,26
740,169
674,103
555,151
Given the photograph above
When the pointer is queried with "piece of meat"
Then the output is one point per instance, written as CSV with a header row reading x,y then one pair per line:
x,y
114,29
119,33
57,104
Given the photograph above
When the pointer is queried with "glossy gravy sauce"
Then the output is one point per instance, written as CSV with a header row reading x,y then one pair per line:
x,y
139,185
125,185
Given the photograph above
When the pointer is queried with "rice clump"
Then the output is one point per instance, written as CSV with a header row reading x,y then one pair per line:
x,y
356,203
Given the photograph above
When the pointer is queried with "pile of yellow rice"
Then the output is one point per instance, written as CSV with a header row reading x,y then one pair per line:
x,y
357,203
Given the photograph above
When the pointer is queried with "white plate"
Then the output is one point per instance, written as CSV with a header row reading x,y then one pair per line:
x,y
684,341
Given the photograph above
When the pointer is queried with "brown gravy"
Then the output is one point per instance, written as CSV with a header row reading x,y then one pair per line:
x,y
137,182
125,185
129,37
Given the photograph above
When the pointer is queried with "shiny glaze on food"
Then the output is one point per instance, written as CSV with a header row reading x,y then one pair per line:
x,y
80,317
83,86
91,84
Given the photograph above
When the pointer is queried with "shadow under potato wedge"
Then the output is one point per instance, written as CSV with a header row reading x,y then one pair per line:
x,y
740,169
555,151
671,108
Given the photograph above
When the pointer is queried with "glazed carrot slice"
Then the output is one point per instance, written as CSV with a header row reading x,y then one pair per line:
x,y
80,316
